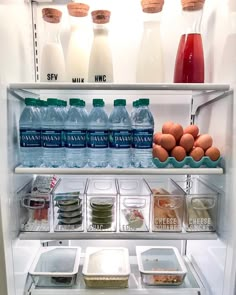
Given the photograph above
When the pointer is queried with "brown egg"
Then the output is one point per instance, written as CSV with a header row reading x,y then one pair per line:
x,y
197,153
204,141
178,153
157,137
187,141
160,153
195,141
192,129
166,127
167,141
213,153
177,131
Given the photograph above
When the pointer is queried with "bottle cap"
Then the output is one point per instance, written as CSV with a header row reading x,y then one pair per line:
x,y
152,6
51,15
192,4
101,16
83,103
29,101
77,9
38,102
119,102
53,102
98,102
135,103
144,101
43,103
75,102
64,103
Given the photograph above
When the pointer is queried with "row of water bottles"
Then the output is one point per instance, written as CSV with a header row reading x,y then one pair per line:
x,y
54,135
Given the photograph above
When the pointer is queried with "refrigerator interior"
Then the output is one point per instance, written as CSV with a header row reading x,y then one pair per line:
x,y
211,260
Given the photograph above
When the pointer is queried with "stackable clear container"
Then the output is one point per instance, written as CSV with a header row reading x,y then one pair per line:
x,y
201,206
101,204
106,267
55,267
69,204
134,205
167,205
161,266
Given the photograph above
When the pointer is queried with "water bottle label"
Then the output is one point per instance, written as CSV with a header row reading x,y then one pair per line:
x,y
97,139
120,139
142,139
30,138
75,139
52,138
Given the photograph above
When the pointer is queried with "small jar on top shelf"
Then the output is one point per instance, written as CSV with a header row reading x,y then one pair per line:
x,y
52,63
100,61
189,63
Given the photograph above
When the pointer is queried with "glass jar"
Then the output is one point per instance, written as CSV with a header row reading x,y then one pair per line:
x,y
100,61
52,58
189,64
78,49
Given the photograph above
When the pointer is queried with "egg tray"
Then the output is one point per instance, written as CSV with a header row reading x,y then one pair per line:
x,y
188,161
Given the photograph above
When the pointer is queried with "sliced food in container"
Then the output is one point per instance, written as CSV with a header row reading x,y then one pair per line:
x,y
161,266
106,267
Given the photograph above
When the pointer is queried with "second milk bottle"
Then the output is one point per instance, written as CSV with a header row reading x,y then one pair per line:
x,y
120,136
97,135
100,61
52,57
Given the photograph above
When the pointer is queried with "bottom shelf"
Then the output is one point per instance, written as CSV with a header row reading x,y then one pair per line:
x,y
191,286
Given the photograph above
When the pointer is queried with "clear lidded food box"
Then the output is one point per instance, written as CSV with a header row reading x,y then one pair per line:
x,y
101,204
106,267
55,266
167,205
134,204
69,204
160,266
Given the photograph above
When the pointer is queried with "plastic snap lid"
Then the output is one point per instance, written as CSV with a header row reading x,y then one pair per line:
x,y
101,16
53,102
77,9
144,101
29,101
152,6
119,102
75,102
83,103
64,103
43,103
98,102
51,15
192,4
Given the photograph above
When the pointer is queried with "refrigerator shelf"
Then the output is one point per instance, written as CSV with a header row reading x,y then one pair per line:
x,y
121,171
191,286
118,236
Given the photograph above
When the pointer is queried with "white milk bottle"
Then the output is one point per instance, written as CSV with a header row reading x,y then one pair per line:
x,y
100,61
78,49
52,62
150,61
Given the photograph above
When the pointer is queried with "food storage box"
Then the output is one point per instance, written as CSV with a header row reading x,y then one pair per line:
x,y
161,266
134,205
101,204
201,206
106,267
55,267
69,204
167,205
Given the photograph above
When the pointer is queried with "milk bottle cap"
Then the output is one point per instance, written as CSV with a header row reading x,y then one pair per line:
x,y
192,4
101,16
152,6
51,15
77,9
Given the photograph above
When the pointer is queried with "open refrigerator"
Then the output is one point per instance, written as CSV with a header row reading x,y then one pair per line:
x,y
209,257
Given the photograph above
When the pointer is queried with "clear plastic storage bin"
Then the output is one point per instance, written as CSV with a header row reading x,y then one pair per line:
x,y
106,267
161,265
101,205
134,204
201,206
55,267
69,204
167,205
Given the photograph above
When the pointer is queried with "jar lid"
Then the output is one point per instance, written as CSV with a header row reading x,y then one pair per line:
x,y
51,15
152,6
192,4
77,9
101,16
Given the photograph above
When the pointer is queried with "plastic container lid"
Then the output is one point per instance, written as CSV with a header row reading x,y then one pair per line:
x,y
52,101
119,102
98,102
144,102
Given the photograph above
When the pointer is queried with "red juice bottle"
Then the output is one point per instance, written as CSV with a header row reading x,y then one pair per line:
x,y
189,63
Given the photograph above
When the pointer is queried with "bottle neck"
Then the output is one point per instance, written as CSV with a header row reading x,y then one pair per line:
x,y
52,32
78,23
99,29
192,21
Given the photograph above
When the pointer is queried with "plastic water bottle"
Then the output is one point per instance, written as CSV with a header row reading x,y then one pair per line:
x,y
30,134
52,127
134,110
75,134
43,108
142,126
120,138
97,135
